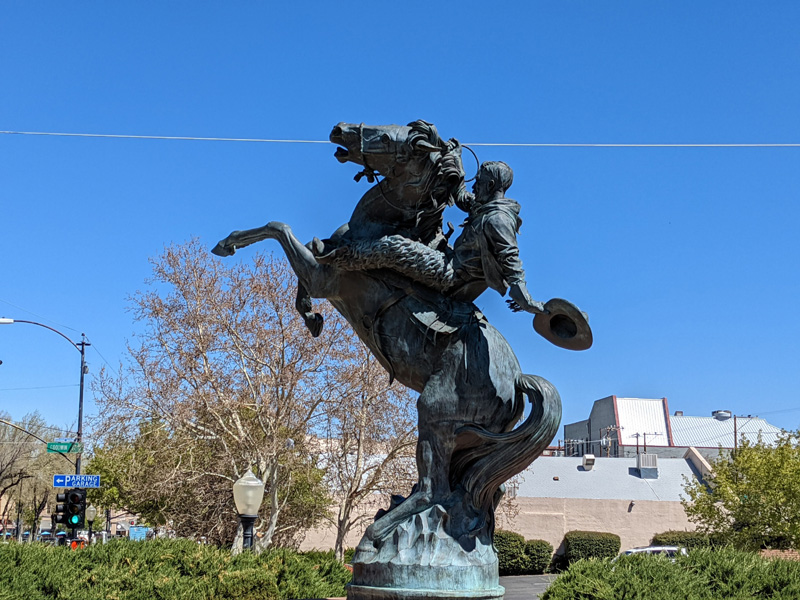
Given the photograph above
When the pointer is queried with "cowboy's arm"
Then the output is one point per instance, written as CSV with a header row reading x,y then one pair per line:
x,y
501,237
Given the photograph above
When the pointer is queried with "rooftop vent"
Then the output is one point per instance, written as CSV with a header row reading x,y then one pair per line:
x,y
646,461
678,413
588,462
721,415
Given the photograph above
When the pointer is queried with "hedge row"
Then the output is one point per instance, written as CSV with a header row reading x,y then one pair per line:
x,y
125,570
590,544
519,557
686,539
705,574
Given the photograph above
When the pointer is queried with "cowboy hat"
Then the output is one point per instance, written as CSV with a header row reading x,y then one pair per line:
x,y
564,325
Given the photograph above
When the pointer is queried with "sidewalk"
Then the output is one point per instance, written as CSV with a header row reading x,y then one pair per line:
x,y
526,587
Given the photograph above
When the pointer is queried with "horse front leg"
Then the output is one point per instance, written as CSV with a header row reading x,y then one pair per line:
x,y
316,279
241,239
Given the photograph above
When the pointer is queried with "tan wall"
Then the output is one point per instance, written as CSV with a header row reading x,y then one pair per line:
x,y
550,518
324,538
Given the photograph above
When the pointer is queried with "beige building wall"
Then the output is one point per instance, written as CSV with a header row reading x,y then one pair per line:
x,y
324,538
635,523
550,518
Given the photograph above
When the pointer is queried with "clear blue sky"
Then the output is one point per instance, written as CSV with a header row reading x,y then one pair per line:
x,y
686,259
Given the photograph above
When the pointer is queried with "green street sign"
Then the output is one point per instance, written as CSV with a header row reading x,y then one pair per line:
x,y
65,447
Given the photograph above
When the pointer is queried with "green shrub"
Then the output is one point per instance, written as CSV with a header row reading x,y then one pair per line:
x,y
539,553
518,557
705,574
510,548
157,569
686,539
590,544
349,553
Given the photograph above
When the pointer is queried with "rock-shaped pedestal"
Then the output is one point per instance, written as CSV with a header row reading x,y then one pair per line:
x,y
422,560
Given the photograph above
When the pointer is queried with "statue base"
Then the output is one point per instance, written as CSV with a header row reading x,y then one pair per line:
x,y
363,592
430,555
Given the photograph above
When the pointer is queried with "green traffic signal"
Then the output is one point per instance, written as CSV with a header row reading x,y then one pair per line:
x,y
75,507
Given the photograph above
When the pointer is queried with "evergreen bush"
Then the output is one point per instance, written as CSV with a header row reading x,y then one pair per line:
x,y
518,557
686,539
705,574
510,548
126,570
539,553
590,544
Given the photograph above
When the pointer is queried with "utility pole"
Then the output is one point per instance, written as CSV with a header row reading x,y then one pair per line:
x,y
616,429
636,435
82,347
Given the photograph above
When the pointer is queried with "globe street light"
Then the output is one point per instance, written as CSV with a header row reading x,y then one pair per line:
x,y
91,514
80,347
248,492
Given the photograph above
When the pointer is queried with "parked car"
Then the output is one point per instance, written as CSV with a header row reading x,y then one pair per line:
x,y
670,552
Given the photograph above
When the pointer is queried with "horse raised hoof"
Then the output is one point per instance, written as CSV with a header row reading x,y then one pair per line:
x,y
314,323
223,249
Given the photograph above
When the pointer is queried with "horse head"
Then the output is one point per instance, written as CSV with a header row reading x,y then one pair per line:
x,y
383,147
423,173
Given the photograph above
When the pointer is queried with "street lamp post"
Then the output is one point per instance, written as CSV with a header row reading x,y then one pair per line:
x,y
80,347
248,492
91,514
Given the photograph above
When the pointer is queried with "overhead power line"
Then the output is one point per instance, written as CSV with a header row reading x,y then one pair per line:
x,y
39,387
291,141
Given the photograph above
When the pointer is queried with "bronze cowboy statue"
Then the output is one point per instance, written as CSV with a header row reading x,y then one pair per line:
x,y
408,294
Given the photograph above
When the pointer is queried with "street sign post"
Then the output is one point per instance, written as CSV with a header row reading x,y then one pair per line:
x,y
65,447
77,481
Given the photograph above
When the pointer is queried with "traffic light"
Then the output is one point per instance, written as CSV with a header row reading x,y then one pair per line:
x,y
60,515
72,512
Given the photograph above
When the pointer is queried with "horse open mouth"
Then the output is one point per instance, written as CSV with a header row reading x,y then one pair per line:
x,y
342,154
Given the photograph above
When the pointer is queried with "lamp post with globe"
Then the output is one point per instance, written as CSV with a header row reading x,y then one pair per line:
x,y
248,492
91,515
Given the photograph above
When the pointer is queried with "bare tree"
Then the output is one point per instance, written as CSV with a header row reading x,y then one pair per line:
x,y
508,510
369,441
17,450
222,377
26,469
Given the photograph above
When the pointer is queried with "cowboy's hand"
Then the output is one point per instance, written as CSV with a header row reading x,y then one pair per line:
x,y
521,300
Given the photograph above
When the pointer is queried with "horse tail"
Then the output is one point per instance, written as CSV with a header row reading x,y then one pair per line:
x,y
485,460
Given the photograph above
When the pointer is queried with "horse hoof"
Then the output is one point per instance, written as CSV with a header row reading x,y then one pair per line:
x,y
314,324
221,249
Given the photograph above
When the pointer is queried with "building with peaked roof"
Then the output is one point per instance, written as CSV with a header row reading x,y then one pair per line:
x,y
624,427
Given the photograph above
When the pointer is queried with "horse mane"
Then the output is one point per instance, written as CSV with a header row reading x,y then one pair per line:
x,y
428,132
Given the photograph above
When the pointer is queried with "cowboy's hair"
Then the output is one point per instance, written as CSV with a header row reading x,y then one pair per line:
x,y
500,173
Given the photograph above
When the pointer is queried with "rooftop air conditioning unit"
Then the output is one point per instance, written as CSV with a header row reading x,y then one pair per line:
x,y
588,462
646,461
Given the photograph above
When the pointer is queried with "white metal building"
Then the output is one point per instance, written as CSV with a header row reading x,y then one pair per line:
x,y
628,426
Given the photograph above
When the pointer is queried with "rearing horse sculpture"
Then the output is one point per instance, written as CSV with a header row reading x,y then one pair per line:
x,y
438,541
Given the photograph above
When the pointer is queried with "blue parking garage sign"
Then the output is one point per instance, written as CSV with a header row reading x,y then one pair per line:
x,y
76,481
